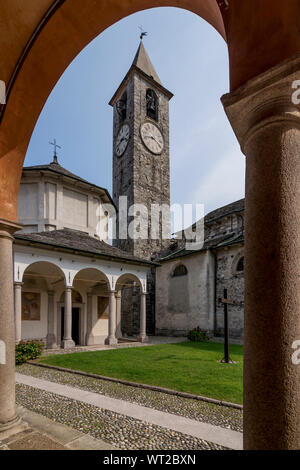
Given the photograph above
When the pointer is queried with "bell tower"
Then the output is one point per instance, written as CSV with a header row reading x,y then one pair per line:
x,y
141,155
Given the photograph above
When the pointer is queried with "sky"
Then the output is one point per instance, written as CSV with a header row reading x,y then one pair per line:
x,y
191,59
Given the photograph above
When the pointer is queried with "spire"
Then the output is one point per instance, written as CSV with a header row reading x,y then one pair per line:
x,y
143,62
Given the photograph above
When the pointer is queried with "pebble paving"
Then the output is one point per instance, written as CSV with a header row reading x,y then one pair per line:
x,y
116,429
228,418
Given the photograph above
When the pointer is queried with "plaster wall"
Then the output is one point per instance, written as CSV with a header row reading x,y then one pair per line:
x,y
48,203
185,302
37,329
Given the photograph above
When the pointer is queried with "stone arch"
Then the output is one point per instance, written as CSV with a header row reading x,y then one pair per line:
x,y
178,289
235,263
53,270
90,275
129,290
179,270
152,104
52,46
45,40
121,281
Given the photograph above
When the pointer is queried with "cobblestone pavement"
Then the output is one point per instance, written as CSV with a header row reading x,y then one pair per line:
x,y
225,417
119,430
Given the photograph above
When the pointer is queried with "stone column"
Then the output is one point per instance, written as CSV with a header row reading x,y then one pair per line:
x,y
267,125
89,309
18,311
111,339
67,341
9,421
143,335
51,336
119,313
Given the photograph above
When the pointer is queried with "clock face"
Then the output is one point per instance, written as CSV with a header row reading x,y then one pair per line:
x,y
122,140
152,137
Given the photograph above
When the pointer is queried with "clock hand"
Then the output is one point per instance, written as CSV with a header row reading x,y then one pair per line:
x,y
153,138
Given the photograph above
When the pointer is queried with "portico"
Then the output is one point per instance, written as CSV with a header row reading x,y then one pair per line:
x,y
71,299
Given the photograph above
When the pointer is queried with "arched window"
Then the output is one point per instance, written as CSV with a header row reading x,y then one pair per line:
x,y
122,107
180,271
240,265
152,104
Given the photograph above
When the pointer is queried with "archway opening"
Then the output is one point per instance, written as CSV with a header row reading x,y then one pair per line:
x,y
94,288
129,291
41,281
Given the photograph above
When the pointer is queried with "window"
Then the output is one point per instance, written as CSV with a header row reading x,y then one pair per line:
x,y
180,271
152,104
240,265
122,107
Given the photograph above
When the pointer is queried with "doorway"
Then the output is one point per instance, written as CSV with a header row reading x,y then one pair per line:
x,y
75,324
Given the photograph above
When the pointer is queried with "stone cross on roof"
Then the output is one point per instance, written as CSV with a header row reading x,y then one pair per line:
x,y
56,146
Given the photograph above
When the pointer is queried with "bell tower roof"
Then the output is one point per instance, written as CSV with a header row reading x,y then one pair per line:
x,y
142,61
143,65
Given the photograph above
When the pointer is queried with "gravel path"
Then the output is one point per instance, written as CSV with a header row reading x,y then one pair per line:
x,y
225,417
119,430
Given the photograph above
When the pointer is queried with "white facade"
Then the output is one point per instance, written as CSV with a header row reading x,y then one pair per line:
x,y
49,200
50,273
66,295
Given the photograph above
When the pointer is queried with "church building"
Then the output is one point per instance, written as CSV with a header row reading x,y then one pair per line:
x,y
68,279
74,288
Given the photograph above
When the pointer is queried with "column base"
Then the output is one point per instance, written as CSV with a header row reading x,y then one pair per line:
x,y
90,340
143,339
12,427
119,334
67,344
51,341
111,341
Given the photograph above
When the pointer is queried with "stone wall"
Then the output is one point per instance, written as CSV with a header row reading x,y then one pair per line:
x,y
138,174
228,278
145,179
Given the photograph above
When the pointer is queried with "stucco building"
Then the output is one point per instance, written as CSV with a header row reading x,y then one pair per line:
x,y
263,42
73,288
191,283
67,278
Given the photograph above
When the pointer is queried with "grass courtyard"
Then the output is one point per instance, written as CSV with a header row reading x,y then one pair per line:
x,y
186,367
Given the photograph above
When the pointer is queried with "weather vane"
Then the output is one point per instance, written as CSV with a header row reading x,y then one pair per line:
x,y
143,33
56,146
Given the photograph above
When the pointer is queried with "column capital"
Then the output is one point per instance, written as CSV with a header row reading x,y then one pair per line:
x,y
8,228
18,284
264,101
51,292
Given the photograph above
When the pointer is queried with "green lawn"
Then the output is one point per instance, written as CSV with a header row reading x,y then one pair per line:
x,y
186,367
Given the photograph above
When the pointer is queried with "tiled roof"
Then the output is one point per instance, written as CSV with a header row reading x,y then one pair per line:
x,y
218,242
80,242
237,206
